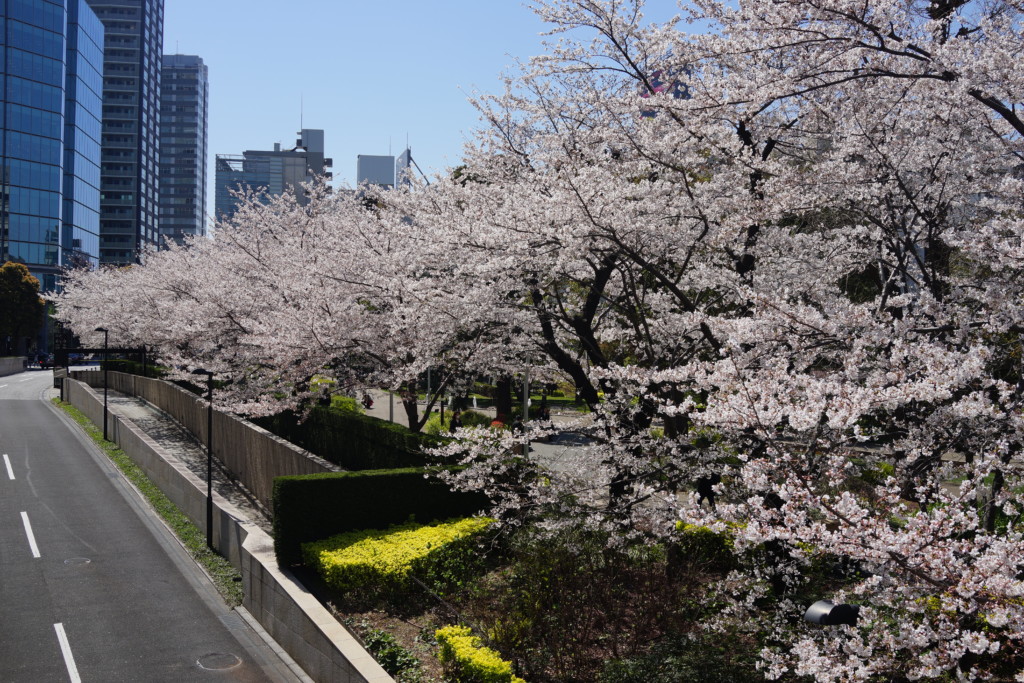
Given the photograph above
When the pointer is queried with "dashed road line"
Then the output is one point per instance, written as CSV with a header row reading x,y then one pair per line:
x,y
65,649
31,536
7,463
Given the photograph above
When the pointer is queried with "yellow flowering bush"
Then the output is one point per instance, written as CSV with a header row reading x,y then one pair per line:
x,y
466,660
379,562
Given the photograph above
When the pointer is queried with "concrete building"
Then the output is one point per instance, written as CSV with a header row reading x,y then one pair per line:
x,y
184,94
49,162
129,176
271,172
375,170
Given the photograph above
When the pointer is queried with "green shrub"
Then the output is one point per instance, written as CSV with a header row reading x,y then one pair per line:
x,y
389,653
705,657
349,439
347,404
568,600
466,660
381,563
314,506
470,418
132,367
700,547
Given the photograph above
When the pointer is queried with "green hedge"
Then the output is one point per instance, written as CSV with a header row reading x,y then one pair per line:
x,y
316,506
380,563
132,367
350,440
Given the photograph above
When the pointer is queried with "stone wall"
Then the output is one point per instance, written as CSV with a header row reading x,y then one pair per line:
x,y
253,455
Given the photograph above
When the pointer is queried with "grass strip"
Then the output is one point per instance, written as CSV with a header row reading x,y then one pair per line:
x,y
225,577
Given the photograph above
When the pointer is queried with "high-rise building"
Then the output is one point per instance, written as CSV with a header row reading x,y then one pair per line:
x,y
82,135
403,168
375,170
184,93
129,176
49,154
271,172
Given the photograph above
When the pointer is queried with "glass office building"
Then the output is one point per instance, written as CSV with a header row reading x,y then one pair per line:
x,y
129,174
80,238
184,91
50,114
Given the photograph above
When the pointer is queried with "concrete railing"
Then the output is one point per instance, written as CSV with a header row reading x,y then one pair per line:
x,y
324,649
11,365
251,454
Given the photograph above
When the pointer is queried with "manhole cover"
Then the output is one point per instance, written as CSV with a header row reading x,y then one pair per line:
x,y
77,560
218,661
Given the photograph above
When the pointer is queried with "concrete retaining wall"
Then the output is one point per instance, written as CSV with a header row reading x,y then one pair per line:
x,y
11,365
290,614
252,454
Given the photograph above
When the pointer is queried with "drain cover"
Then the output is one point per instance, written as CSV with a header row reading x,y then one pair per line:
x,y
218,661
77,560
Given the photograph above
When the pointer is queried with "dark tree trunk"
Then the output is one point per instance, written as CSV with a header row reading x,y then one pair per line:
x,y
411,408
503,399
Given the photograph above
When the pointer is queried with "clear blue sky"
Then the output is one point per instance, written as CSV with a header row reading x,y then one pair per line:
x,y
368,73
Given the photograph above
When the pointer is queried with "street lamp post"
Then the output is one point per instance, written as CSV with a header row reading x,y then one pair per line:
x,y
60,346
209,454
106,363
827,613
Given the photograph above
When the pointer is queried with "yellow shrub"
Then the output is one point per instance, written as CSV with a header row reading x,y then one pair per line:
x,y
468,661
384,559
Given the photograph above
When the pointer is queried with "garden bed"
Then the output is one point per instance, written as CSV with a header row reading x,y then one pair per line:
x,y
563,608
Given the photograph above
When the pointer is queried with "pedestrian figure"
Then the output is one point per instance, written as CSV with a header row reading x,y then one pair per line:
x,y
367,401
456,421
706,489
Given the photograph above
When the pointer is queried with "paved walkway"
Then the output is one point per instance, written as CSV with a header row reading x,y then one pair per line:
x,y
180,443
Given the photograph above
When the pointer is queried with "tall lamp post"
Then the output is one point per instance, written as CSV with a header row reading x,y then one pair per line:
x,y
61,346
106,359
209,454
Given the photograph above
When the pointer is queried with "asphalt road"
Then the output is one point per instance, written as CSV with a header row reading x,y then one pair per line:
x,y
93,587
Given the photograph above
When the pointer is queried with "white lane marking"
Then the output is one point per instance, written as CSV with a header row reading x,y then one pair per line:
x,y
27,379
65,649
7,462
2,386
31,538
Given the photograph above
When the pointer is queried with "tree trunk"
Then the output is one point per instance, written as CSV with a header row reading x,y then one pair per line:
x,y
411,408
503,399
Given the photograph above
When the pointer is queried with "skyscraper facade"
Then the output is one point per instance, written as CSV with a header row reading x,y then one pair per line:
x,y
80,239
270,172
129,174
184,92
50,121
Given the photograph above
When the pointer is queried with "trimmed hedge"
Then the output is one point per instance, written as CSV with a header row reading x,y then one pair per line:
x,y
350,440
374,561
466,660
132,367
316,506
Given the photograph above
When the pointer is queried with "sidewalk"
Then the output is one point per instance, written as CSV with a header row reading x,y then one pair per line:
x,y
180,443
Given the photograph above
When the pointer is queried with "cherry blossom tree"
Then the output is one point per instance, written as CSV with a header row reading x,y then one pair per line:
x,y
822,241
